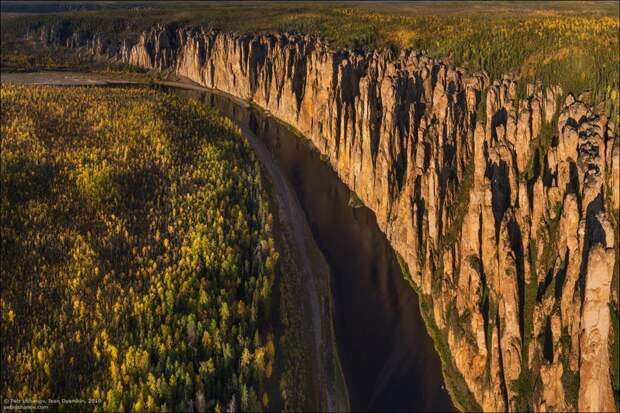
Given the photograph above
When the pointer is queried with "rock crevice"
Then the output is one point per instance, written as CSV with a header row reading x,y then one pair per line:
x,y
504,210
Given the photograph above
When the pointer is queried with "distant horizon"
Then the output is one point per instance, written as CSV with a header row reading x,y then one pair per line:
x,y
198,213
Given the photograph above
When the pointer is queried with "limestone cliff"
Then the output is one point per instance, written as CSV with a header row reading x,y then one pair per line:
x,y
502,199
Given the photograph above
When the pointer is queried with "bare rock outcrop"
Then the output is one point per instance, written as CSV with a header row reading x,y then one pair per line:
x,y
503,214
595,393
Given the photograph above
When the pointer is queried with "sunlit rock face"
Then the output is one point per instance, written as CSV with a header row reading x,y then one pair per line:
x,y
504,205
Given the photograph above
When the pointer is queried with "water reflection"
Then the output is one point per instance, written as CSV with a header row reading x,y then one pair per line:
x,y
387,356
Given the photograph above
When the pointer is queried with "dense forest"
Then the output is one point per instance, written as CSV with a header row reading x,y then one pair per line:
x,y
137,255
574,45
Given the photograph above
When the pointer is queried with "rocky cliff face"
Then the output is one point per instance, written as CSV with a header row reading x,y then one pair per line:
x,y
502,199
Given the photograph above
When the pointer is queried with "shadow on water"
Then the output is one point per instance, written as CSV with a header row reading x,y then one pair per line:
x,y
387,356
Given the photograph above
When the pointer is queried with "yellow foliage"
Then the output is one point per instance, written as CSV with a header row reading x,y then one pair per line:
x,y
122,209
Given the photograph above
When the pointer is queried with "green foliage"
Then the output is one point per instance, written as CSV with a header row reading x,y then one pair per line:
x,y
295,340
523,387
531,288
614,346
294,383
570,379
140,219
98,183
459,391
455,383
574,46
539,147
549,231
481,109
355,201
458,209
542,265
26,55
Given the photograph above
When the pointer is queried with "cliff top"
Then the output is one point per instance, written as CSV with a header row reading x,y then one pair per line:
x,y
574,45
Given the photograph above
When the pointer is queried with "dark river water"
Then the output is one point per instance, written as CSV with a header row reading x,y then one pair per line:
x,y
387,356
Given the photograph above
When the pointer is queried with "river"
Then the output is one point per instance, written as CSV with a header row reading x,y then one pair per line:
x,y
387,356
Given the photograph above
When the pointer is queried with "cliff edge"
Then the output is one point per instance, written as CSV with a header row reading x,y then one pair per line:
x,y
502,199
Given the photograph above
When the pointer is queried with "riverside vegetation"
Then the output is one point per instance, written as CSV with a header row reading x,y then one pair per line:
x,y
467,177
137,254
495,193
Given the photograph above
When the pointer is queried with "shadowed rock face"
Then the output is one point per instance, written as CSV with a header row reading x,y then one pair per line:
x,y
505,211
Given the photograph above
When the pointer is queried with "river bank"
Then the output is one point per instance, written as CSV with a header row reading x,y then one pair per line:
x,y
304,274
388,358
